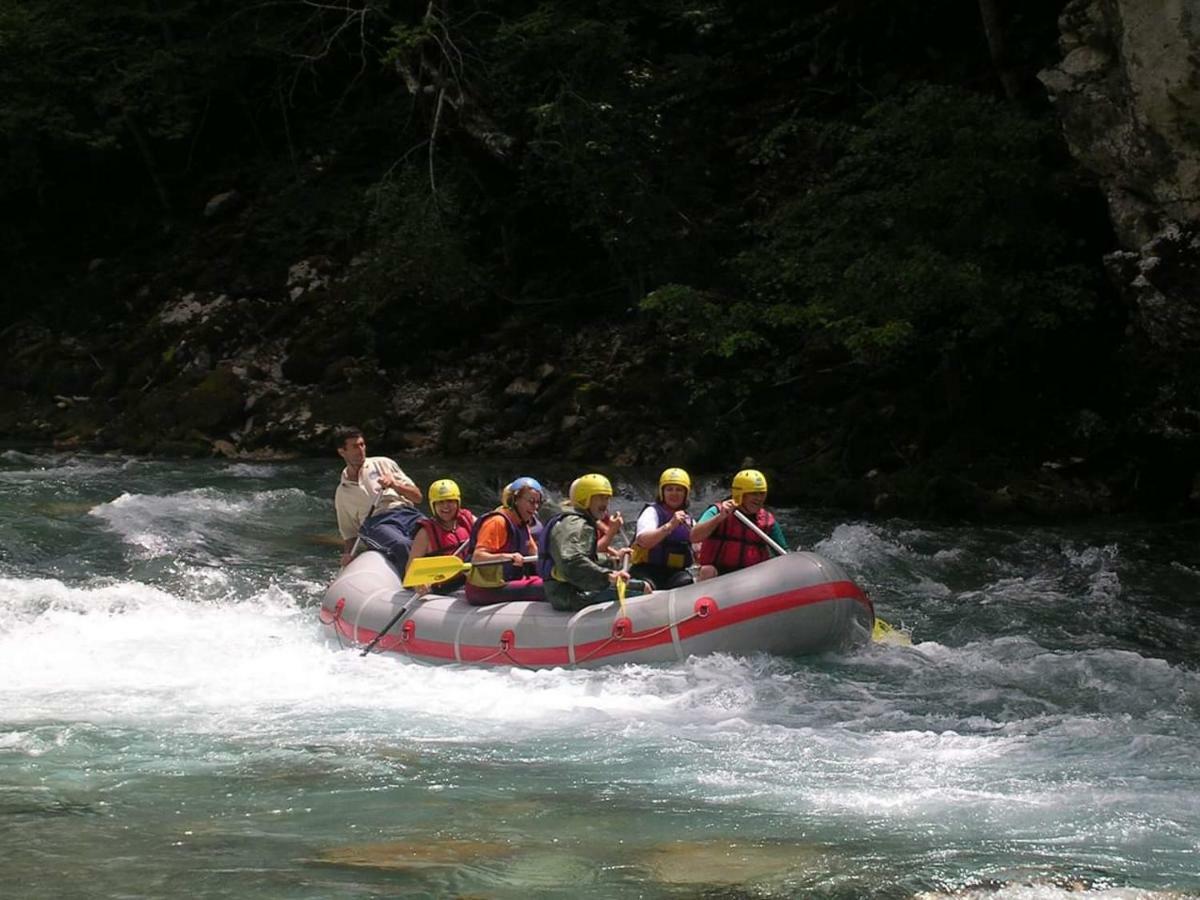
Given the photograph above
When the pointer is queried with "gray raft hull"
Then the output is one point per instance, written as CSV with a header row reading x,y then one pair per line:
x,y
795,604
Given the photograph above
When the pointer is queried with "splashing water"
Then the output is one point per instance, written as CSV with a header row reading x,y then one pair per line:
x,y
175,721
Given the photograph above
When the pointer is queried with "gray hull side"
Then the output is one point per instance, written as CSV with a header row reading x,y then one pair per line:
x,y
799,603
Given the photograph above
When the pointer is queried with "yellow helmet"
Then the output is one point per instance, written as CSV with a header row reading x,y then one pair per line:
x,y
750,480
443,489
674,475
585,487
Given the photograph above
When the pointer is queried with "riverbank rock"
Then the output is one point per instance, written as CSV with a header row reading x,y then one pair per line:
x,y
1128,96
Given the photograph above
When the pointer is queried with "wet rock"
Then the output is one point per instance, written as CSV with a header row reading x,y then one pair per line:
x,y
224,448
408,855
729,862
215,402
191,308
223,204
1128,99
522,387
308,275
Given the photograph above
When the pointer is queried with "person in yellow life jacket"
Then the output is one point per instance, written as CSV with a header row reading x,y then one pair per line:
x,y
726,544
571,565
505,534
662,547
445,533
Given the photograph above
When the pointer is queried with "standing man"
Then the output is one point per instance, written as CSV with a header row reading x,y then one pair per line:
x,y
375,500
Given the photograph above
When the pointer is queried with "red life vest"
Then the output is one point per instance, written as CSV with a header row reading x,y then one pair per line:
x,y
734,546
445,541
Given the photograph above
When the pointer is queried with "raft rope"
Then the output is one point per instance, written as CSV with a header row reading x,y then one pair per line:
x,y
619,638
504,650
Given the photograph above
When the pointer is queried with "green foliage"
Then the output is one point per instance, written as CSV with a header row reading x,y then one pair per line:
x,y
933,232
420,280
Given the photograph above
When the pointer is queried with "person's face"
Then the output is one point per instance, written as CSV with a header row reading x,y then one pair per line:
x,y
354,451
446,509
527,503
752,501
598,505
674,496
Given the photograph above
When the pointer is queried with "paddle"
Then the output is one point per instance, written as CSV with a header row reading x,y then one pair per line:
x,y
882,632
388,627
622,584
432,569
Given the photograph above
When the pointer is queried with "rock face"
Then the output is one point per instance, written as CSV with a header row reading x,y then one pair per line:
x,y
1128,94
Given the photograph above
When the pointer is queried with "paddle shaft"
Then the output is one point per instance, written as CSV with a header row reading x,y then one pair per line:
x,y
762,534
396,618
388,627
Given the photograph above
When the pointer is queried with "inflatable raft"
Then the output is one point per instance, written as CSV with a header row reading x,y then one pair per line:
x,y
794,604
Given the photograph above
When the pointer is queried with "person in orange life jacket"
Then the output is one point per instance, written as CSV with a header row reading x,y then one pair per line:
x,y
445,534
374,485
535,527
662,548
504,534
726,544
568,558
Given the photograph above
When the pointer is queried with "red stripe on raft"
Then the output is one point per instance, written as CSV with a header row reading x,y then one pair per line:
x,y
651,637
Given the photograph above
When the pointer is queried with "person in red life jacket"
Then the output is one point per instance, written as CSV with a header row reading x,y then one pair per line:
x,y
446,533
505,534
662,548
568,556
375,501
726,544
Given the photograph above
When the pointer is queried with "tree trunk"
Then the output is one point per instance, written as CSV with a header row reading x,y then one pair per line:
x,y
993,28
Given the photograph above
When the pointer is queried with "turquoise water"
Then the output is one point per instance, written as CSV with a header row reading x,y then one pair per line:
x,y
174,722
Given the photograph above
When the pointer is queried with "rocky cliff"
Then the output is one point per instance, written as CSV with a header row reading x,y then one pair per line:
x,y
1128,94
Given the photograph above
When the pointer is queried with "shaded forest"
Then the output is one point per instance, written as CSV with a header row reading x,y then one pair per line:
x,y
846,237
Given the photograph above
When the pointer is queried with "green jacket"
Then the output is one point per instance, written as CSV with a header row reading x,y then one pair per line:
x,y
578,570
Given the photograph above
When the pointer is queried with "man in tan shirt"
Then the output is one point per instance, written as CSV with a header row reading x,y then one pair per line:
x,y
375,501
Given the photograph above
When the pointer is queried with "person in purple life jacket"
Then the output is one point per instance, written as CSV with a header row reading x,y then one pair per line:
x,y
662,547
506,534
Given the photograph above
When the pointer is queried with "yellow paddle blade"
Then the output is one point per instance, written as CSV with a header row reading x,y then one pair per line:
x,y
433,569
884,633
621,594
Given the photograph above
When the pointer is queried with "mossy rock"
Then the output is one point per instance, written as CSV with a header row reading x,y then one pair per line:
x,y
216,401
355,406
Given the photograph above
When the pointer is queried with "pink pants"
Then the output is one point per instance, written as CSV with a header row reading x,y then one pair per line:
x,y
529,588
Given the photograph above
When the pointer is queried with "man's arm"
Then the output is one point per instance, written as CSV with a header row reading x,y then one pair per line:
x,y
392,476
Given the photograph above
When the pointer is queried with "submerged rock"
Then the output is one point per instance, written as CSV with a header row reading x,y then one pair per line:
x,y
417,854
727,862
